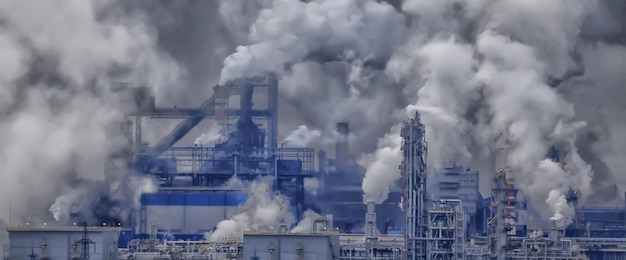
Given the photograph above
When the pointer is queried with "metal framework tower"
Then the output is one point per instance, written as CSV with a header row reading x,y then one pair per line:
x,y
446,230
413,168
502,223
84,243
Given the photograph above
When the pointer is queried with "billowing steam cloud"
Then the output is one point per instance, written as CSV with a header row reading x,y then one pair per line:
x,y
291,31
382,168
306,224
264,211
483,74
328,56
57,65
491,87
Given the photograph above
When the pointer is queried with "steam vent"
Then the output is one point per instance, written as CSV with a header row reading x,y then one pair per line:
x,y
312,129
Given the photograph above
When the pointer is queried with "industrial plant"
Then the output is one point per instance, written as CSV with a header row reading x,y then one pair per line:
x,y
312,129
202,186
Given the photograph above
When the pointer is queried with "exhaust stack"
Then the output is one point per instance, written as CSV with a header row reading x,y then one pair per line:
x,y
370,223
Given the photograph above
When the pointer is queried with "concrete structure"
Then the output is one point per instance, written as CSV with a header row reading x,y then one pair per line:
x,y
63,242
306,246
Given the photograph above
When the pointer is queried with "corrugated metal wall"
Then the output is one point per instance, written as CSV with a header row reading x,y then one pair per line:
x,y
190,212
59,244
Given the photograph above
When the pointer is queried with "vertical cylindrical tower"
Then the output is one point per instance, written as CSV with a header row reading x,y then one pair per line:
x,y
413,169
370,222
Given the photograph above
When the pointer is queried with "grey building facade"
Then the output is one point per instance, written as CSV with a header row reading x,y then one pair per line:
x,y
62,242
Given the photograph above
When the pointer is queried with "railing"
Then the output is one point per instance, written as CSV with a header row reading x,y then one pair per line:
x,y
211,159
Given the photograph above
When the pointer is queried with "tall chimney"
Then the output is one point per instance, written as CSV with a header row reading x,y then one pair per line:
x,y
370,223
342,148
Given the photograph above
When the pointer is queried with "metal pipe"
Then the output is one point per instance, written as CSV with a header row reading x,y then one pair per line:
x,y
236,163
276,171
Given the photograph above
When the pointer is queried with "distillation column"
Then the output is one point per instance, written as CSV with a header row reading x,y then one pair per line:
x,y
413,168
502,223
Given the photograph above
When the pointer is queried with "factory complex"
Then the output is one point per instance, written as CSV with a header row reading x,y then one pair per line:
x,y
201,208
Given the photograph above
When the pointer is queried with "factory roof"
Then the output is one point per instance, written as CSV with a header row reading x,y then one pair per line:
x,y
328,233
60,229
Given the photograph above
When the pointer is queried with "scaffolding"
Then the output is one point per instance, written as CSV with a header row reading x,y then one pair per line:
x,y
446,230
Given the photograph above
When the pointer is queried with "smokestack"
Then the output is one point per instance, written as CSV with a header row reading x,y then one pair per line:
x,y
342,148
370,223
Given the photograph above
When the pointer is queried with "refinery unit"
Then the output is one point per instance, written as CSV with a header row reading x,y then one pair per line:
x,y
198,188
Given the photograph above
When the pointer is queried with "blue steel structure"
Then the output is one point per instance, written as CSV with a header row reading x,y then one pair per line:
x,y
189,176
413,169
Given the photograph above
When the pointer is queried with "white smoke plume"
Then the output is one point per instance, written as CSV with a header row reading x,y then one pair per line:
x,y
382,168
306,224
531,115
480,72
214,135
484,73
58,61
289,32
443,79
263,211
302,137
328,56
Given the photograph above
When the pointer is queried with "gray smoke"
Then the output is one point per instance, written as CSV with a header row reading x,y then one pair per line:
x,y
328,56
289,32
486,70
58,62
482,73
